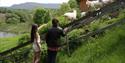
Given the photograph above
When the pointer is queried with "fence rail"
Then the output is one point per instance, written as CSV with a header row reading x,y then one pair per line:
x,y
85,36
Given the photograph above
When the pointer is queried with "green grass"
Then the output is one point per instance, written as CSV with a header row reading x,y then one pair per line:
x,y
10,42
7,43
15,28
107,49
104,21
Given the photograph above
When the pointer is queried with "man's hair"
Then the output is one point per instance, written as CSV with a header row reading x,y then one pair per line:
x,y
55,22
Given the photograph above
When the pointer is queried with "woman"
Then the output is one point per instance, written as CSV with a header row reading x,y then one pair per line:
x,y
35,38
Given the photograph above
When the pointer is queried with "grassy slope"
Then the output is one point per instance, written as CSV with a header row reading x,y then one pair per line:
x,y
8,43
15,28
107,49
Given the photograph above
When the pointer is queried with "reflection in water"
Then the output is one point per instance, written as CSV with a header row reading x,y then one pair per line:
x,y
5,34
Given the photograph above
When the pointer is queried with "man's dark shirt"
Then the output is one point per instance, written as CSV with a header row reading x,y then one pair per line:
x,y
53,36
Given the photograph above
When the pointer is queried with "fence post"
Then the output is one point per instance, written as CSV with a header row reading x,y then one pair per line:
x,y
67,43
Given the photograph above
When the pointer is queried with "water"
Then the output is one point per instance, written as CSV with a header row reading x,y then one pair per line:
x,y
6,34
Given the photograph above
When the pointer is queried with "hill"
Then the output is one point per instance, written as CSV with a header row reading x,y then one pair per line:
x,y
106,49
32,5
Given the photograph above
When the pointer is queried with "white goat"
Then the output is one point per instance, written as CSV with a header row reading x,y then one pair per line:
x,y
71,15
83,14
98,3
94,4
107,1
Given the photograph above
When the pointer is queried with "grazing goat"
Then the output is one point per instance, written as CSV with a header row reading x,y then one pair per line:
x,y
83,14
71,15
98,3
94,4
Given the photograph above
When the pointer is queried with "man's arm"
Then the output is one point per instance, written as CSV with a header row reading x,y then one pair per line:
x,y
63,32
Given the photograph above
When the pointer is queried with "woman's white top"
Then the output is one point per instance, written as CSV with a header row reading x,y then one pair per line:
x,y
35,46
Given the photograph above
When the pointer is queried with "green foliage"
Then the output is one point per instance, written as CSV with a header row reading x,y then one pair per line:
x,y
75,33
7,43
73,4
106,49
104,21
78,13
12,18
73,44
103,49
20,15
62,21
63,9
45,28
41,16
24,17
19,28
4,10
24,38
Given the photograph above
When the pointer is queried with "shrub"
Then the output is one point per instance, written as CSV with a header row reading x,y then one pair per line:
x,y
62,21
12,18
24,38
41,16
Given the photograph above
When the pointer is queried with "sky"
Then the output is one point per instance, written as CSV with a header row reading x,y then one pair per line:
x,y
8,3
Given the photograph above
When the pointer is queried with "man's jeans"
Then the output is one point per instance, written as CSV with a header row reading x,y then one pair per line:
x,y
51,58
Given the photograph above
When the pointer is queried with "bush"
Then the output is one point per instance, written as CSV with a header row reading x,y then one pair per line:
x,y
24,38
12,18
41,16
23,16
73,44
62,21
73,4
63,9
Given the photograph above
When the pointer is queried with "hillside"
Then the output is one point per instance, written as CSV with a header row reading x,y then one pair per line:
x,y
95,47
106,49
31,5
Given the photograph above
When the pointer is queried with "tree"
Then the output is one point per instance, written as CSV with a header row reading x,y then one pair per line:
x,y
41,16
12,18
63,8
73,4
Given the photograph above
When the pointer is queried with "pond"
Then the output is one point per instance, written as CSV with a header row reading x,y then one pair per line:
x,y
6,34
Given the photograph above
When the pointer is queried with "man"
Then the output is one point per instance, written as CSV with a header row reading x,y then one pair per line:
x,y
52,39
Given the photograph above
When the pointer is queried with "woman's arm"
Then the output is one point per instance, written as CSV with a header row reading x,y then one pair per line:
x,y
41,26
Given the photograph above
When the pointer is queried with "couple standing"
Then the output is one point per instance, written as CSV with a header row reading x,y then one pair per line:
x,y
52,40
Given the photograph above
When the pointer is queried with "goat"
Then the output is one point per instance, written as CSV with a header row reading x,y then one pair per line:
x,y
94,4
71,15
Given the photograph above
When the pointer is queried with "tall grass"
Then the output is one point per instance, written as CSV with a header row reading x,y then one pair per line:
x,y
10,42
107,49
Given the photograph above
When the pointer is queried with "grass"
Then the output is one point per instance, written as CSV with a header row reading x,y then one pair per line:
x,y
15,28
10,42
104,21
7,43
107,49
